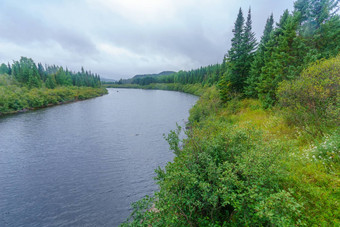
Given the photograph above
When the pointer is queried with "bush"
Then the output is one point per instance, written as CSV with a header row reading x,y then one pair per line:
x,y
226,176
206,105
314,97
14,98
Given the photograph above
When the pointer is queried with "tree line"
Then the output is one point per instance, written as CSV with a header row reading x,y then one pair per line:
x,y
309,33
32,75
255,69
204,75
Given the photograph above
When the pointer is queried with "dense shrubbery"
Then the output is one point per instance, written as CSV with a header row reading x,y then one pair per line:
x,y
242,165
208,104
225,175
314,97
14,98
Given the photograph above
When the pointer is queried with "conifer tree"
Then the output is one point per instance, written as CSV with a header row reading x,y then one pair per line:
x,y
237,63
249,43
51,82
314,13
258,63
328,41
34,78
9,69
41,71
3,69
284,58
235,55
322,10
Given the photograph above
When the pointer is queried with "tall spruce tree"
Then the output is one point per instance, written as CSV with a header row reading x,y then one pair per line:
x,y
258,63
322,10
249,47
231,67
235,54
328,41
319,26
34,80
41,71
314,13
284,58
9,69
239,58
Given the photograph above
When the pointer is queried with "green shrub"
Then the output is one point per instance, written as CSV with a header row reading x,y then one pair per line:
x,y
14,98
208,104
314,97
224,175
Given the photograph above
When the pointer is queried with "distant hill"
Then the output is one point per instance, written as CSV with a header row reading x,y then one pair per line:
x,y
107,80
164,73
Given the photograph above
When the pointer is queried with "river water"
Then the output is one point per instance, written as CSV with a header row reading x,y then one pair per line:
x,y
84,163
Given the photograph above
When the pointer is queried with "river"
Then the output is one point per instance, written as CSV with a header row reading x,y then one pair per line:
x,y
84,163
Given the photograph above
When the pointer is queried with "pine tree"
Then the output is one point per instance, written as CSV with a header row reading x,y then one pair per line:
x,y
283,58
322,10
303,7
9,69
249,47
62,79
41,71
3,69
235,55
315,13
258,63
328,41
51,82
34,78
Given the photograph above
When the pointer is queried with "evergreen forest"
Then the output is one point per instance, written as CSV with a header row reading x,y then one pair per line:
x,y
25,85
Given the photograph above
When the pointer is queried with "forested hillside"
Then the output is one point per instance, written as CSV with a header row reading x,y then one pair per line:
x,y
263,145
25,85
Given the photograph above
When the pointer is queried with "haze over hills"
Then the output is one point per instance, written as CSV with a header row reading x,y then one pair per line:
x,y
107,80
138,77
164,73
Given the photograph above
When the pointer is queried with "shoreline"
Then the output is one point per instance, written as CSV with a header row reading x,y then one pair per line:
x,y
48,105
193,89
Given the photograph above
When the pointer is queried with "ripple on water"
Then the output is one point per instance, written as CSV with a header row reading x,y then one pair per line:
x,y
84,163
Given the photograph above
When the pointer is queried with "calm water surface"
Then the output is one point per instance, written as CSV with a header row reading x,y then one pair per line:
x,y
84,163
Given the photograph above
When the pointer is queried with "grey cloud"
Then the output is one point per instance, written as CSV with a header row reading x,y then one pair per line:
x,y
18,26
74,42
23,28
194,37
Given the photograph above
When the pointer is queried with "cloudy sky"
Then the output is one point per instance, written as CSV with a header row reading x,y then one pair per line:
x,y
121,38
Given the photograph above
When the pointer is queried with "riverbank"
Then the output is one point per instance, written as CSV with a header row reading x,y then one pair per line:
x,y
194,89
245,165
15,99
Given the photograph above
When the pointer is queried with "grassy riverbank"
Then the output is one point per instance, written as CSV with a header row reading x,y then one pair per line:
x,y
245,165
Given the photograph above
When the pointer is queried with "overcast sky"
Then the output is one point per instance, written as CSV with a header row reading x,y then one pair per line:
x,y
121,38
